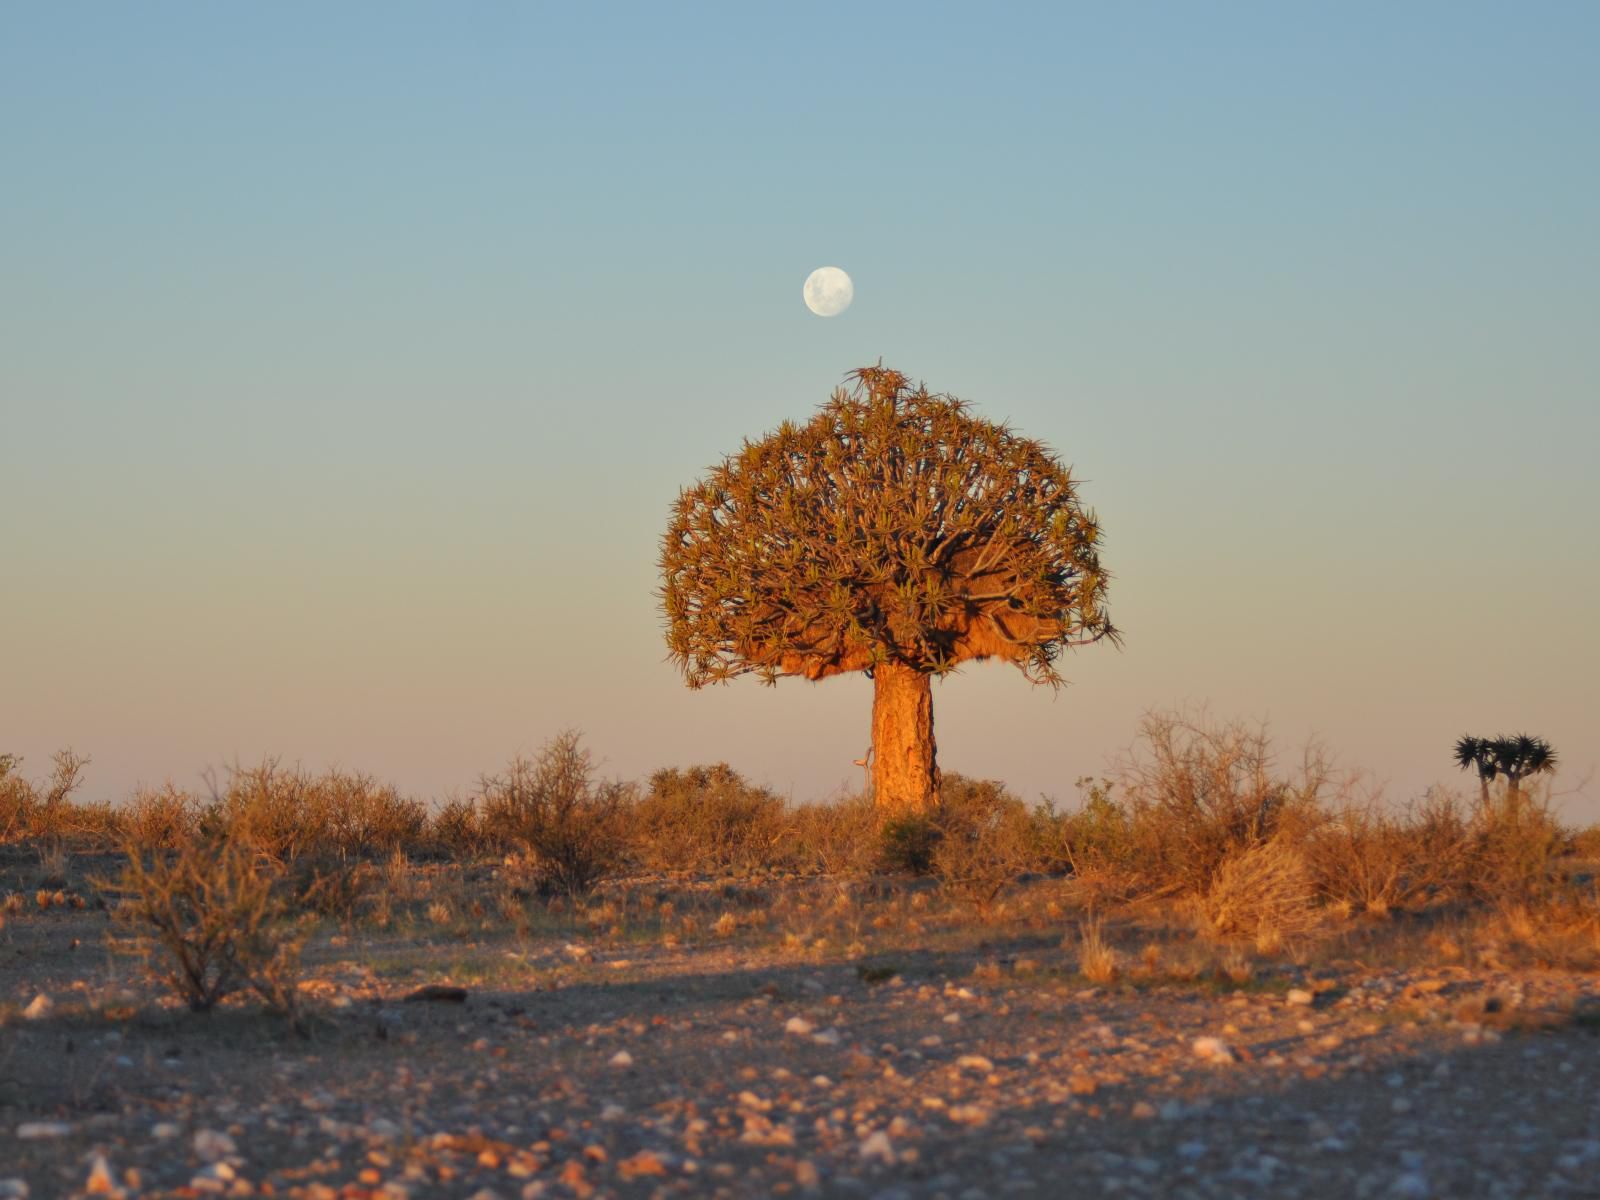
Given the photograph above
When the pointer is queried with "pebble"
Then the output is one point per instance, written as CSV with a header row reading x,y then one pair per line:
x,y
1143,1110
975,1062
214,1178
622,1059
798,1026
39,1006
828,1037
211,1145
100,1181
1212,1049
1300,996
13,1189
1413,1185
35,1131
878,1146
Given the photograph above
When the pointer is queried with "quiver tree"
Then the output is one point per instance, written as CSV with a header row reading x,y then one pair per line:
x,y
896,534
1513,757
1475,753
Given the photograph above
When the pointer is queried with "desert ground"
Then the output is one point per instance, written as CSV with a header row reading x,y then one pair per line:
x,y
681,1035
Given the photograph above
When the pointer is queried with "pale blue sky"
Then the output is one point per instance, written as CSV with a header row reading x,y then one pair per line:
x,y
351,355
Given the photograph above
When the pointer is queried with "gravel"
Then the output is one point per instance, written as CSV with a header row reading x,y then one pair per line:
x,y
726,1071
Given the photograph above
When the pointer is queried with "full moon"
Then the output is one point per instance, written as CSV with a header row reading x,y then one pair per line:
x,y
828,291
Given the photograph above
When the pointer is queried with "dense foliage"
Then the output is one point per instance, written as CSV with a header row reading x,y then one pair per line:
x,y
894,526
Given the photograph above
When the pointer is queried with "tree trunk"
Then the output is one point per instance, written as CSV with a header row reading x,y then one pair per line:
x,y
905,773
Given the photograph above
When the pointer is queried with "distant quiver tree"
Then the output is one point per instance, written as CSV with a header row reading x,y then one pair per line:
x,y
1514,757
895,534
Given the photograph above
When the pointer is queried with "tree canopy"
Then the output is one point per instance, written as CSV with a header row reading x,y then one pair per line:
x,y
893,527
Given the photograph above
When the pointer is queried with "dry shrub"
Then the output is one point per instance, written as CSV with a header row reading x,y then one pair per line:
x,y
326,886
1263,891
708,819
908,843
55,866
457,830
14,798
1367,859
570,824
1360,859
161,819
288,812
1514,848
43,810
1198,793
838,839
1585,843
984,838
1100,832
211,920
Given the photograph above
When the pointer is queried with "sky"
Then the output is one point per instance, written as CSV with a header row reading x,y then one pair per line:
x,y
351,356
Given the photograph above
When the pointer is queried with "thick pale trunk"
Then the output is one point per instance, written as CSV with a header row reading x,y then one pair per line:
x,y
905,773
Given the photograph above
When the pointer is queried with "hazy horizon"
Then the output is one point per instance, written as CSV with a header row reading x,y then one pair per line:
x,y
350,359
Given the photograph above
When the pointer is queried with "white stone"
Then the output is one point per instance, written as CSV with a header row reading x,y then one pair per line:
x,y
975,1062
622,1059
1300,996
1212,1049
798,1026
35,1131
878,1146
39,1006
212,1144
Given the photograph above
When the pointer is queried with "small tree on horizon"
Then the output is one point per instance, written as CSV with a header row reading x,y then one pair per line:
x,y
894,534
1474,752
1515,757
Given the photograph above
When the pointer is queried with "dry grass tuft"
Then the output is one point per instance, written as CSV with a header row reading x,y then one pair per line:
x,y
1097,961
1263,892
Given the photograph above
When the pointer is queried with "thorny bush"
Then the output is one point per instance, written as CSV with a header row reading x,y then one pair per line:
x,y
571,825
211,920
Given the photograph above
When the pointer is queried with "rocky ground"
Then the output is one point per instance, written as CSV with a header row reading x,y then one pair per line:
x,y
966,1062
